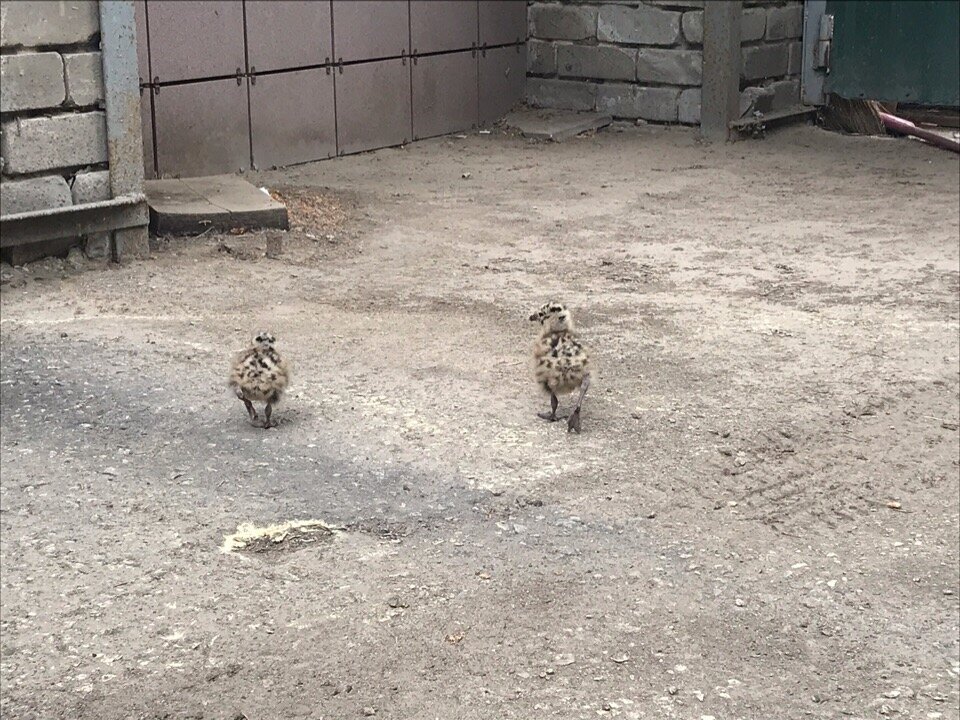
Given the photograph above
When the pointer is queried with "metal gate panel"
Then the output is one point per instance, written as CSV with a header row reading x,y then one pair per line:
x,y
146,124
202,128
444,93
292,118
195,39
366,30
443,25
503,22
143,58
503,74
896,51
373,105
285,34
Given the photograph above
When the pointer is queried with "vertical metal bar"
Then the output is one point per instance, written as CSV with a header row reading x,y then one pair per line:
x,y
246,70
812,80
333,62
121,79
410,45
153,110
720,96
478,53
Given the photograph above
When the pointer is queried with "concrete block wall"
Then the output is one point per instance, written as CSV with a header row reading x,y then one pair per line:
x,y
771,52
630,60
53,137
643,59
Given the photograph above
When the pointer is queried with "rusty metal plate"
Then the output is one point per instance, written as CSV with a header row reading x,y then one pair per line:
x,y
146,123
445,95
443,25
202,129
143,57
503,21
292,118
503,75
365,30
191,40
284,34
373,105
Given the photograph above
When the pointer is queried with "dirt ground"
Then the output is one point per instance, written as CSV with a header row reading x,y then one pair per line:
x,y
759,521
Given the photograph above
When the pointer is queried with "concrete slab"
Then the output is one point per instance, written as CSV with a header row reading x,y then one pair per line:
x,y
555,125
187,206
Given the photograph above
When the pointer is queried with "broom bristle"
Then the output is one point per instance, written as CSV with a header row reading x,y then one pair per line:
x,y
856,117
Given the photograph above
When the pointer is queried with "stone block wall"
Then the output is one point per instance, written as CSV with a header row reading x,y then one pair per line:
x,y
53,134
643,58
771,50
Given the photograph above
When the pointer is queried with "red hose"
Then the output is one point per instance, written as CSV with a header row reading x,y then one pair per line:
x,y
892,122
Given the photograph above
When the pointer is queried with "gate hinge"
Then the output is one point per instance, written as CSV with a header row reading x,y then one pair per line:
x,y
821,52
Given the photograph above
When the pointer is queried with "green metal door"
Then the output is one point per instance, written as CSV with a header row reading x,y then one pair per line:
x,y
896,51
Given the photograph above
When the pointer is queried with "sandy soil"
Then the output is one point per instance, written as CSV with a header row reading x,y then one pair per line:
x,y
760,519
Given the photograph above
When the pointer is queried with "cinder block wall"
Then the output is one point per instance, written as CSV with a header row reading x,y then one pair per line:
x,y
644,59
771,51
53,136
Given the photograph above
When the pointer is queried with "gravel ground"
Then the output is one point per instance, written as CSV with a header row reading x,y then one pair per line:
x,y
760,519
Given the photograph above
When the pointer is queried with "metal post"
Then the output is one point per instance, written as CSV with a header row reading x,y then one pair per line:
x,y
121,79
813,67
720,95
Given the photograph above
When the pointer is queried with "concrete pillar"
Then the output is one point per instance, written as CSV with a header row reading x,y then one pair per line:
x,y
720,100
131,244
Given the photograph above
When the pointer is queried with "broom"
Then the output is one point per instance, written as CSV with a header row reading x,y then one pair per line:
x,y
855,117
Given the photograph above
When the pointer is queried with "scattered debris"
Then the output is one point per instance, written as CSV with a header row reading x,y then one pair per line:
x,y
862,408
312,210
283,536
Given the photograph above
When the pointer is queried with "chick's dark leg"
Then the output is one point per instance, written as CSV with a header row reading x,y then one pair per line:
x,y
573,423
266,415
251,411
552,415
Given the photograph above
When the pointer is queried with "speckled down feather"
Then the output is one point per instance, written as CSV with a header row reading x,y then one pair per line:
x,y
560,360
259,375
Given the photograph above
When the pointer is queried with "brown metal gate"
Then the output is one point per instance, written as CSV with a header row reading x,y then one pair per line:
x,y
229,85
